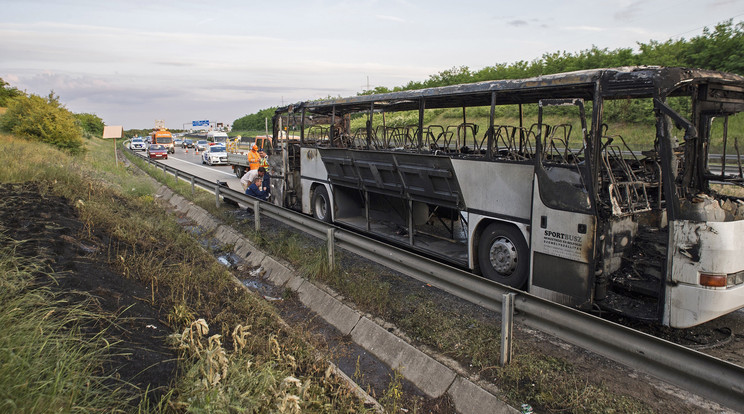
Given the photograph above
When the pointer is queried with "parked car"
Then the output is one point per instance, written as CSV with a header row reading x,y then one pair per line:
x,y
214,154
137,144
202,145
187,143
157,151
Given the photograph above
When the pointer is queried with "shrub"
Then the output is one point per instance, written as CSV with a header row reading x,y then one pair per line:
x,y
7,93
91,124
43,119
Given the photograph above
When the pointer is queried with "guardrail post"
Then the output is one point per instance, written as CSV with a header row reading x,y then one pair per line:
x,y
175,174
507,328
192,185
331,248
257,215
217,195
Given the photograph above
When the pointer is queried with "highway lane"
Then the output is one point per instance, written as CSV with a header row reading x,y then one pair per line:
x,y
191,162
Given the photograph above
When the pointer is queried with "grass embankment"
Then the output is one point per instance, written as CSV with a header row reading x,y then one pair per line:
x,y
547,383
235,353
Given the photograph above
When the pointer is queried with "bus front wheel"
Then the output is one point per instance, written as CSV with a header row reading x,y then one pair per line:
x,y
503,255
321,204
239,171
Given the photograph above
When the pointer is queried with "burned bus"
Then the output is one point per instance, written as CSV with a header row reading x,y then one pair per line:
x,y
596,189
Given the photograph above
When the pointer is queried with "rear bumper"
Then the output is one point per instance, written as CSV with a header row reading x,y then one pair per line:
x,y
712,248
710,304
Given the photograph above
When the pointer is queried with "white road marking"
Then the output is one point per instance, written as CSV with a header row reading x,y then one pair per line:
x,y
204,166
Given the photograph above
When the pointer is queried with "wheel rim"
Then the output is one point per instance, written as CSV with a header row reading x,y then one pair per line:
x,y
320,207
503,256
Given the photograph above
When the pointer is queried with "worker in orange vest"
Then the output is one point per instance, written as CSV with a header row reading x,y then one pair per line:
x,y
254,160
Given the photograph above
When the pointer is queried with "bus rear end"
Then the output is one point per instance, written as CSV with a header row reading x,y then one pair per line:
x,y
675,212
706,277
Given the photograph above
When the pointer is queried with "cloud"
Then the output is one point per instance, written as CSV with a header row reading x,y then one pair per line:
x,y
11,78
723,3
584,29
390,18
630,12
517,23
176,64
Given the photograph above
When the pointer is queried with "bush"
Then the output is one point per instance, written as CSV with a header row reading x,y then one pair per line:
x,y
43,119
91,124
7,93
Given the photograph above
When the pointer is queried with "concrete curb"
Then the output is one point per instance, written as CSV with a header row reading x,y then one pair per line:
x,y
425,372
329,308
470,398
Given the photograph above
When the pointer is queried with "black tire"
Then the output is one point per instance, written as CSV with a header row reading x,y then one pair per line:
x,y
503,255
321,204
239,171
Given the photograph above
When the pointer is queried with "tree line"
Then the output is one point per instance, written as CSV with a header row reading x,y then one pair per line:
x,y
720,48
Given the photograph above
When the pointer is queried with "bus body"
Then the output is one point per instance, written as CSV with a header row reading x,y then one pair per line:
x,y
542,196
163,137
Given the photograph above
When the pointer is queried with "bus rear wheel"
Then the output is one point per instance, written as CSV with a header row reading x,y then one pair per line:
x,y
503,255
321,204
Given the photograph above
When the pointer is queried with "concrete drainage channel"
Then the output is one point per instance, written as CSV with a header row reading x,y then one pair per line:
x,y
430,376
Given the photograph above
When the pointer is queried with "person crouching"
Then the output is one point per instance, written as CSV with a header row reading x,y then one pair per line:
x,y
250,176
254,190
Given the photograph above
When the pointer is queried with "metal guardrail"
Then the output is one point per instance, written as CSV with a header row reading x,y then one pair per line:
x,y
694,371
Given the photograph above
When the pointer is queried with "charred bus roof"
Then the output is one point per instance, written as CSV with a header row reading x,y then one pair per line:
x,y
613,83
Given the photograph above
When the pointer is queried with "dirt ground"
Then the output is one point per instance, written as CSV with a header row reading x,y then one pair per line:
x,y
54,234
141,359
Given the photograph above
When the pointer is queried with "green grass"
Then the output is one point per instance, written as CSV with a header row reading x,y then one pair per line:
x,y
48,365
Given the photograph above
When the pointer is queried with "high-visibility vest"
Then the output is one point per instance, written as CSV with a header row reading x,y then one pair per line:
x,y
264,162
253,160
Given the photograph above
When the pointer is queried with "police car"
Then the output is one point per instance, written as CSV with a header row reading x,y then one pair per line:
x,y
137,144
214,154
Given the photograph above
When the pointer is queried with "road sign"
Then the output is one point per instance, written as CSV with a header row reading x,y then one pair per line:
x,y
200,123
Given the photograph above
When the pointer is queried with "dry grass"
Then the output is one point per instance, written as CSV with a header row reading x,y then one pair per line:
x,y
263,362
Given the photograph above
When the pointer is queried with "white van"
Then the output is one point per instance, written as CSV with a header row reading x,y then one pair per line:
x,y
214,136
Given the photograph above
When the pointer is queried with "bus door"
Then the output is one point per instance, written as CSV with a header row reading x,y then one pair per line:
x,y
563,222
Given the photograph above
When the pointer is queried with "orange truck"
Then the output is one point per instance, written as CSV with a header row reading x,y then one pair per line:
x,y
163,137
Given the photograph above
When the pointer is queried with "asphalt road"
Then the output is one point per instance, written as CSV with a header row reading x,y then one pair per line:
x,y
191,162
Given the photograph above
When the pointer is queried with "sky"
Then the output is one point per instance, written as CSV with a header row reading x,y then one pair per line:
x,y
135,62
